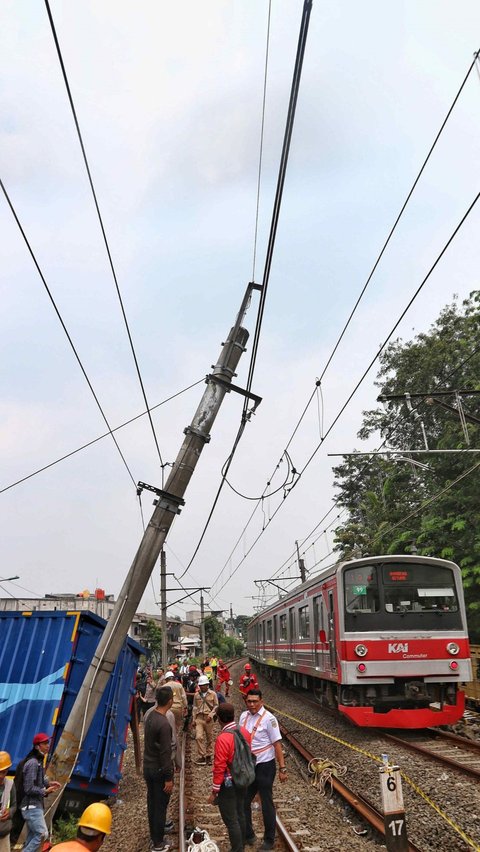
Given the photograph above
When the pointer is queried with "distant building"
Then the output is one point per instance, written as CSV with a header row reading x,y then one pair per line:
x,y
102,605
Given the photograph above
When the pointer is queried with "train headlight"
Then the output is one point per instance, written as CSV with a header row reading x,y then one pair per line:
x,y
361,650
453,648
362,668
453,665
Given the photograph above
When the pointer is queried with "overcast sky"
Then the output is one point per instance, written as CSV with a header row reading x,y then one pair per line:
x,y
169,101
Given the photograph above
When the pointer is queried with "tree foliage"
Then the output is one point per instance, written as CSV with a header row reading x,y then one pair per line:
x,y
394,506
153,641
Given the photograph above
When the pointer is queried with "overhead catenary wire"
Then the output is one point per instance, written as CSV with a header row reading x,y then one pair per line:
x,y
95,440
260,157
279,571
64,327
104,235
302,40
372,272
357,386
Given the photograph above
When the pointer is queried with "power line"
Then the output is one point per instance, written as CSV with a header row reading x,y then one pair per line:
x,y
260,158
52,300
382,251
302,39
107,247
344,406
397,220
95,440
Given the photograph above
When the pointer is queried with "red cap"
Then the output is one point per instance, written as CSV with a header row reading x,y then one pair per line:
x,y
248,666
41,738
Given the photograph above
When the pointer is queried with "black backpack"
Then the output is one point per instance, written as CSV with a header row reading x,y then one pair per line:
x,y
242,768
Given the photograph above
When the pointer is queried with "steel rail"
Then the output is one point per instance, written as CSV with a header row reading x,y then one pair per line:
x,y
181,800
457,739
286,837
359,804
433,755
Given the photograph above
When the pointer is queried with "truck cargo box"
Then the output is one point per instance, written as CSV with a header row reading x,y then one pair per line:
x,y
44,657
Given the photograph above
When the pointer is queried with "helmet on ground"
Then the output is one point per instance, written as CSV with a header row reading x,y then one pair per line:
x,y
168,674
97,817
5,760
203,680
247,667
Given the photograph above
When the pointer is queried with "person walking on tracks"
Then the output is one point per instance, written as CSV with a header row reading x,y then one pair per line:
x,y
248,681
158,766
35,787
8,801
179,706
205,705
266,746
229,796
93,826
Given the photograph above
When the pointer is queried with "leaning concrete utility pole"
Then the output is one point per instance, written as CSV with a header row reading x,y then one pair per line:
x,y
168,506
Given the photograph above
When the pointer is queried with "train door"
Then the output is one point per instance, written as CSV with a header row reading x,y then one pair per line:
x,y
331,633
317,628
291,633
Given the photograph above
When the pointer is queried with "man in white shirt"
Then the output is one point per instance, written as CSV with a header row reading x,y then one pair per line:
x,y
266,746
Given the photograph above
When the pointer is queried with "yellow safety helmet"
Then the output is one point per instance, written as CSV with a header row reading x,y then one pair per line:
x,y
5,760
98,817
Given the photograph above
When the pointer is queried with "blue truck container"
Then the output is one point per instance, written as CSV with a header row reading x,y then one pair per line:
x,y
44,657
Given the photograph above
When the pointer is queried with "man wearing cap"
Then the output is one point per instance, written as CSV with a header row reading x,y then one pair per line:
x,y
8,801
93,826
205,704
36,786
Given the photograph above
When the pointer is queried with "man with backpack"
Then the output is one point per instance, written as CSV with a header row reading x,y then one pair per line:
x,y
233,771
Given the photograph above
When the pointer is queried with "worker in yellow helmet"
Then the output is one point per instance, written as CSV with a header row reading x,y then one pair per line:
x,y
93,825
8,801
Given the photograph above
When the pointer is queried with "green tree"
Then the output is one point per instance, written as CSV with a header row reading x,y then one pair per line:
x,y
388,501
241,623
153,641
214,632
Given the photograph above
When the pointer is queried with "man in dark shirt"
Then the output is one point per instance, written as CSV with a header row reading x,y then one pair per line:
x,y
158,766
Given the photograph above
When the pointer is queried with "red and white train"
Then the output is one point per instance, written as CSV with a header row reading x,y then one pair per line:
x,y
383,639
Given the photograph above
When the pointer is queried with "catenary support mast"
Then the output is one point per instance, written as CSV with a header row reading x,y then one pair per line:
x,y
169,502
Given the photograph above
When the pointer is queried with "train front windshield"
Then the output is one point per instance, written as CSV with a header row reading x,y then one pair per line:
x,y
401,595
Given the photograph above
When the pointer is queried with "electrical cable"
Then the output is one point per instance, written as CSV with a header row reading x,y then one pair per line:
x,y
107,247
95,440
59,316
302,40
268,262
362,378
384,247
260,158
397,220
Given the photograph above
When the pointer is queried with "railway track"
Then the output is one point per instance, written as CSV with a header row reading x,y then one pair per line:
x,y
445,748
358,803
195,813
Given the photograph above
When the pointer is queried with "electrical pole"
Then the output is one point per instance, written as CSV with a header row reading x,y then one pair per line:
x,y
163,606
168,506
202,625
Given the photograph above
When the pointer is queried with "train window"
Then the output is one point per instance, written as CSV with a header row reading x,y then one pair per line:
x,y
269,631
419,588
361,589
303,623
283,627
